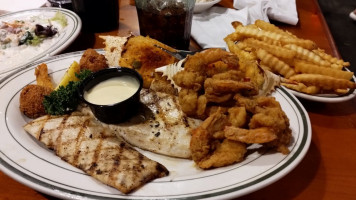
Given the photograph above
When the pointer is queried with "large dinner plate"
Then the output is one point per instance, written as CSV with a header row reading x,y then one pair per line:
x,y
31,163
58,44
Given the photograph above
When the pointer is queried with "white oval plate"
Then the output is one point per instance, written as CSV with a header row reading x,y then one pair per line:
x,y
65,38
326,98
29,162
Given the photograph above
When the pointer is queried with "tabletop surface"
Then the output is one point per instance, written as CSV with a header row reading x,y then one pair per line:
x,y
328,169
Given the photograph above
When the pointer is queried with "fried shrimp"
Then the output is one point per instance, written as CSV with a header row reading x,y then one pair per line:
x,y
226,153
267,113
42,78
202,137
199,61
209,152
224,91
250,136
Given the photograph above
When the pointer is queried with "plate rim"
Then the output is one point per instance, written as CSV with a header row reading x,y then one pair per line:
x,y
47,188
54,49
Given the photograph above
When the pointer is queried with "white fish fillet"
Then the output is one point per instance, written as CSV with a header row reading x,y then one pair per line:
x,y
162,127
84,143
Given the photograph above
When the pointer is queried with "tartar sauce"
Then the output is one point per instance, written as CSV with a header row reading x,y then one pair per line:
x,y
112,91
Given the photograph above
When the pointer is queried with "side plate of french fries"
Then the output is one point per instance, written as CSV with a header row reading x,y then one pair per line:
x,y
307,70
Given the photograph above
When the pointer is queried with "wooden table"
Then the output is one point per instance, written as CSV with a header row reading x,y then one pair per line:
x,y
328,169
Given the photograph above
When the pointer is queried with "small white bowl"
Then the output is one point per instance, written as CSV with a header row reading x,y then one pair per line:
x,y
200,7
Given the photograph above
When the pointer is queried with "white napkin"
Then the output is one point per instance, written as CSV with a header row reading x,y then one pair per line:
x,y
7,6
209,28
280,10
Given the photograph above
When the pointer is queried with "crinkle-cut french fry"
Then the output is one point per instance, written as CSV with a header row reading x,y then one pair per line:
x,y
270,27
336,66
289,62
278,51
331,59
242,45
233,37
271,41
308,68
341,91
265,67
307,55
274,63
322,81
257,33
235,24
300,87
307,44
241,54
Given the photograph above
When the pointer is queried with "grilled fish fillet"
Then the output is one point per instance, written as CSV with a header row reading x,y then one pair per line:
x,y
84,143
160,126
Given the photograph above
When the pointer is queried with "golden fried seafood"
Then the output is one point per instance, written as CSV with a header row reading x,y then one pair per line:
x,y
32,96
42,78
217,75
31,99
209,152
201,60
267,113
92,61
250,136
226,153
140,54
224,90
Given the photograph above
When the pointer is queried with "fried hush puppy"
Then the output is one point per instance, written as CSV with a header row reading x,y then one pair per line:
x,y
92,61
31,99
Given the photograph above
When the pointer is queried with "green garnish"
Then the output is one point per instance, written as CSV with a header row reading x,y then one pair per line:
x,y
65,99
30,39
60,18
27,36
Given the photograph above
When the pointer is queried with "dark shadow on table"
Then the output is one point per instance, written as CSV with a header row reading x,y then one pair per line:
x,y
84,41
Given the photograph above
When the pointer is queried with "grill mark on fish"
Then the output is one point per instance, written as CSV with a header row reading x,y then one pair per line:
x,y
95,158
79,141
41,132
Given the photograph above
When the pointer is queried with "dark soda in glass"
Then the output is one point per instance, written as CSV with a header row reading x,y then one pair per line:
x,y
166,21
97,16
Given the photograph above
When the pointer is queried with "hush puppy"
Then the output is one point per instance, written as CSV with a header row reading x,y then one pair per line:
x,y
31,99
92,61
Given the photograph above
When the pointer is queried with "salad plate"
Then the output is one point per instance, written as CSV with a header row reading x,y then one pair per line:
x,y
16,51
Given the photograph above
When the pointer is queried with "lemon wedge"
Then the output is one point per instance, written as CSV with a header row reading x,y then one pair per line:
x,y
70,75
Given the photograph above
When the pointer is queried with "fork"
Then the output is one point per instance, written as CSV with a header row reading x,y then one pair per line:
x,y
179,54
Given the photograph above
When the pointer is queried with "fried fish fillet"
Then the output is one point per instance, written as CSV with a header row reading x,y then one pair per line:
x,y
84,143
140,53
